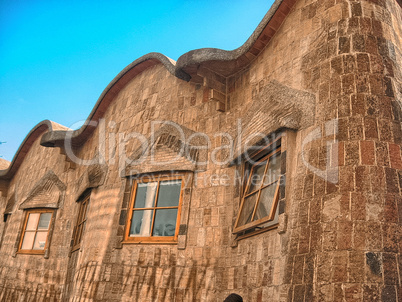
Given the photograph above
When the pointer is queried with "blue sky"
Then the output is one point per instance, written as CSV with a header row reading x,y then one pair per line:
x,y
56,57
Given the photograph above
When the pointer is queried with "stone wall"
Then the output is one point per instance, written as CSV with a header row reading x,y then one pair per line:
x,y
340,219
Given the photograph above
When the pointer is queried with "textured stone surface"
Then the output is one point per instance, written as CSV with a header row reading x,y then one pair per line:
x,y
339,235
47,193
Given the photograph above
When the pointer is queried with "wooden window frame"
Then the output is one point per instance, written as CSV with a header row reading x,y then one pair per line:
x,y
153,239
32,251
263,155
80,222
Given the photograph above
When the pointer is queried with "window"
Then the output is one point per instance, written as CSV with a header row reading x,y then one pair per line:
x,y
258,208
35,231
81,221
154,211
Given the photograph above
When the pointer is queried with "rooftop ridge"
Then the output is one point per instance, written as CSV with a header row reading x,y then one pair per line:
x,y
238,57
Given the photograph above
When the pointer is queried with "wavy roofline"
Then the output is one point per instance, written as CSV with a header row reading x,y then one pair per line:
x,y
4,164
55,139
201,55
26,145
56,133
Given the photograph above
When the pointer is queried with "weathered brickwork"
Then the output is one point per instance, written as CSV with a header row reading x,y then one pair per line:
x,y
338,62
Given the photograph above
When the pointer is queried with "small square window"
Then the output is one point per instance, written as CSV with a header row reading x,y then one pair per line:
x,y
36,230
81,222
154,210
259,203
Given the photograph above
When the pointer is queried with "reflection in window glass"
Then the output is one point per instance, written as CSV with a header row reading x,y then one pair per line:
x,y
81,222
36,230
28,240
259,203
165,222
141,225
256,176
44,221
247,210
40,241
32,221
266,200
169,193
155,209
274,169
145,195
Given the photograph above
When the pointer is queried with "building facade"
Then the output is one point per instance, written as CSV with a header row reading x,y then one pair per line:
x,y
272,171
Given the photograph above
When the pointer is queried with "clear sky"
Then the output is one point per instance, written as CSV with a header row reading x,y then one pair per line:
x,y
56,57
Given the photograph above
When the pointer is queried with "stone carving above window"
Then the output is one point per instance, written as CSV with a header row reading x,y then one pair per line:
x,y
171,147
47,193
275,107
93,177
10,204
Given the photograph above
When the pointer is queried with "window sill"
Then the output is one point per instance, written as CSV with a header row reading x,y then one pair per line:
x,y
149,241
256,232
31,252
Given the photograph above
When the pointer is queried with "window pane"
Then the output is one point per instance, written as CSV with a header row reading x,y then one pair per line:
x,y
44,221
78,234
28,241
276,217
40,241
32,221
248,208
272,222
83,229
274,169
266,201
80,214
165,222
256,176
145,195
84,210
141,223
169,193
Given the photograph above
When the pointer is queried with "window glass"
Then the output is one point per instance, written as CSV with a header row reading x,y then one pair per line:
x,y
257,176
78,236
141,225
145,195
28,240
274,169
154,210
81,222
36,230
40,241
169,193
32,221
259,202
165,222
266,200
44,221
247,210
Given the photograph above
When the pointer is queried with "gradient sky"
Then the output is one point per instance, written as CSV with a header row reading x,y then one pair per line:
x,y
56,57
